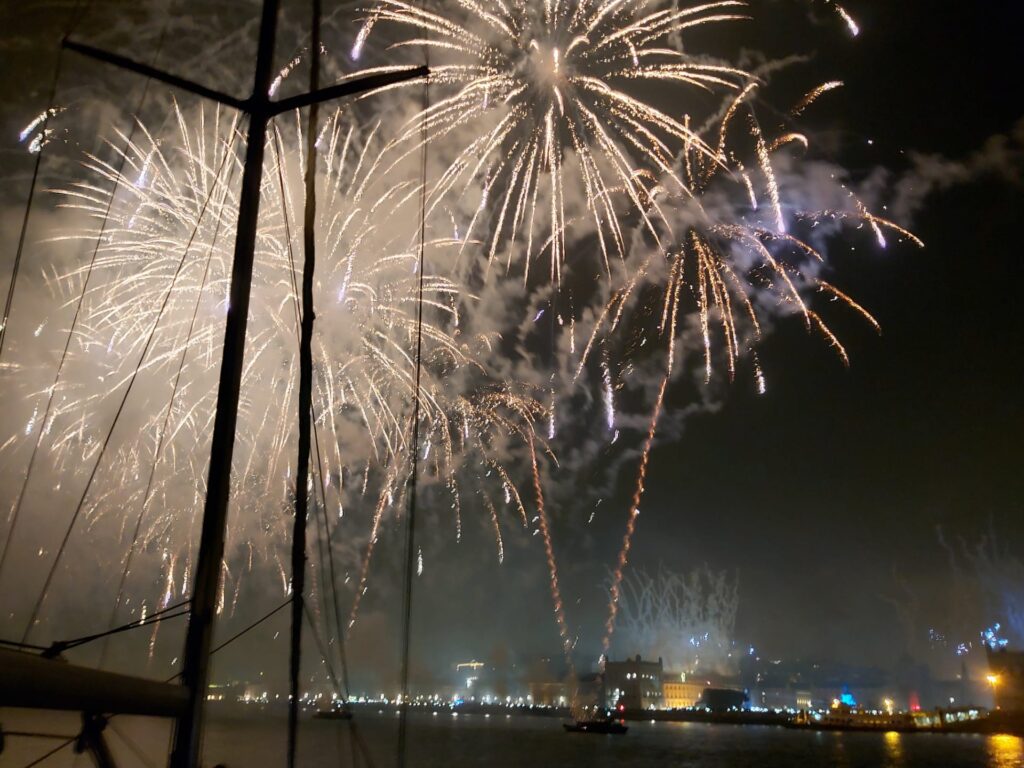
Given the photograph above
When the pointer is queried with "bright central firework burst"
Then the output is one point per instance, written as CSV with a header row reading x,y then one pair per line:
x,y
555,83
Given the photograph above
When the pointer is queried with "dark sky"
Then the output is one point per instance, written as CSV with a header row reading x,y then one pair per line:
x,y
835,478
831,488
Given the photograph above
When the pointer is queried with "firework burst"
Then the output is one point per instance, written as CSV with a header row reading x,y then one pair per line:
x,y
559,88
150,332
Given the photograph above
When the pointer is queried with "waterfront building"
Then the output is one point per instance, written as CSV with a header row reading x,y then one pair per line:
x,y
680,693
634,684
1006,676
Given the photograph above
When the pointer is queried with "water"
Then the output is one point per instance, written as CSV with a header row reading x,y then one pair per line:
x,y
443,741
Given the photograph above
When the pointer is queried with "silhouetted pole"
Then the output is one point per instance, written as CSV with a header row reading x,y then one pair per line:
x,y
187,731
305,393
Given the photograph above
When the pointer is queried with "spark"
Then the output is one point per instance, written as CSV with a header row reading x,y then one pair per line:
x,y
166,241
558,91
851,23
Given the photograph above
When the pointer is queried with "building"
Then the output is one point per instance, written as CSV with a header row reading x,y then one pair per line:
x,y
679,693
1006,676
634,684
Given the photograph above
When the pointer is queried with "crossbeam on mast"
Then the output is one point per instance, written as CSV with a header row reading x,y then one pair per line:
x,y
33,682
267,107
38,683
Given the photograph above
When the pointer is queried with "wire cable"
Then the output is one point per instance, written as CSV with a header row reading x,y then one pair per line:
x,y
170,406
120,409
15,512
410,536
77,14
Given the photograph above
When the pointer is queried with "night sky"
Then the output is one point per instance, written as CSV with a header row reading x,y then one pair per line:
x,y
838,485
838,477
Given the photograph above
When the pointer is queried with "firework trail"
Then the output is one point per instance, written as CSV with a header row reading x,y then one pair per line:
x,y
729,261
712,222
614,590
556,591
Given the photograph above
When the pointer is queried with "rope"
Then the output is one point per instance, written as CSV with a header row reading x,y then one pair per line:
x,y
162,615
32,735
329,558
131,745
410,535
52,752
78,12
120,409
170,406
15,513
245,631
22,646
358,742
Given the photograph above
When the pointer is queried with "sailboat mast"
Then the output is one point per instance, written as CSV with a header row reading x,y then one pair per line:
x,y
187,732
305,394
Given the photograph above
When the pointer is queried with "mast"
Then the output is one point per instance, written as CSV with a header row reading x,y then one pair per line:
x,y
109,693
187,731
305,394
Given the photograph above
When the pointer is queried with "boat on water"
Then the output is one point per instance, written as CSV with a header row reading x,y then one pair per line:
x,y
606,726
843,717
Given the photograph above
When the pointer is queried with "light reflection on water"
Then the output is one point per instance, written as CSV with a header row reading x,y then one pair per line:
x,y
246,739
1006,751
894,749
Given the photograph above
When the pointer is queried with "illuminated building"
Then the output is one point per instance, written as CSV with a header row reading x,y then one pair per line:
x,y
634,684
1006,677
679,693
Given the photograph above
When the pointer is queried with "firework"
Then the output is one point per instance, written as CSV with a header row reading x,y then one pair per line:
x,y
557,87
151,329
687,619
545,123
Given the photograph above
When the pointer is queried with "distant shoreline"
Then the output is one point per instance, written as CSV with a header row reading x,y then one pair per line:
x,y
996,723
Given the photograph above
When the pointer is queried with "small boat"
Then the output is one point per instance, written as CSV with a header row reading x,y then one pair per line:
x,y
334,713
616,727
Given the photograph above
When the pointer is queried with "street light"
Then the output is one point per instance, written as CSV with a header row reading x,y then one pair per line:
x,y
994,681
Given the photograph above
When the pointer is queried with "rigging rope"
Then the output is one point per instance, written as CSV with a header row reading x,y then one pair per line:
x,y
410,535
78,12
120,408
170,406
15,513
279,154
62,645
52,752
307,414
23,646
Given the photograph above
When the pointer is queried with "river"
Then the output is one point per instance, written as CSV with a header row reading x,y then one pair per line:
x,y
246,740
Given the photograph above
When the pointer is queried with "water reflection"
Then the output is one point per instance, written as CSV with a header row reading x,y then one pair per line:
x,y
1006,751
893,749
